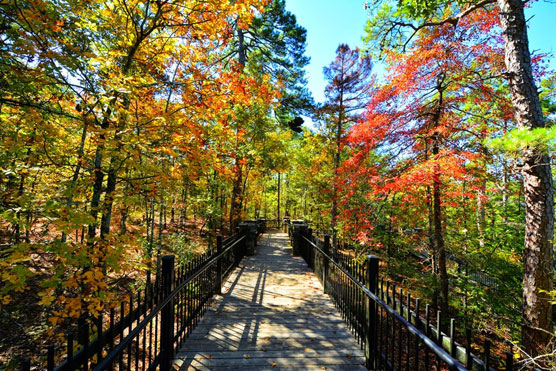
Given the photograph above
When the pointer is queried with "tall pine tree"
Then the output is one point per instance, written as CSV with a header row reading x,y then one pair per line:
x,y
350,82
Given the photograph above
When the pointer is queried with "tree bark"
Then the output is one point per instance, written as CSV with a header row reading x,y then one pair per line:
x,y
236,202
98,174
538,187
438,235
339,128
278,207
440,253
481,216
71,188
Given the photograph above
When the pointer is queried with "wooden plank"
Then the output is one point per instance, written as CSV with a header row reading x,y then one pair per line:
x,y
262,344
211,363
303,353
272,314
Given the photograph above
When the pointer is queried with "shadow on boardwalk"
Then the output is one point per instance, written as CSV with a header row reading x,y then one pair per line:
x,y
273,315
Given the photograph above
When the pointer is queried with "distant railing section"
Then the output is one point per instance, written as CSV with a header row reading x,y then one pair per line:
x,y
145,331
386,321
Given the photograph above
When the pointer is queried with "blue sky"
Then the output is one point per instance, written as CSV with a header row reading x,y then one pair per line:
x,y
331,22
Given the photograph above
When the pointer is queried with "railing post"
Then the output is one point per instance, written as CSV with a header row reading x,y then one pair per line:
x,y
299,229
509,361
325,263
370,338
249,228
219,265
167,315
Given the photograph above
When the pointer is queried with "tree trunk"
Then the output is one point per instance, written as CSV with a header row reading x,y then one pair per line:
x,y
438,235
236,202
339,127
109,196
98,174
241,52
173,211
278,207
481,193
505,191
71,188
538,187
440,253
184,207
111,179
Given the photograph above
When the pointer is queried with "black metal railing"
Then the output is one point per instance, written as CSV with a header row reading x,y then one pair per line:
x,y
381,317
145,331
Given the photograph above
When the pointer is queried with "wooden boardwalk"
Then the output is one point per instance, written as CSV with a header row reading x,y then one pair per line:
x,y
273,315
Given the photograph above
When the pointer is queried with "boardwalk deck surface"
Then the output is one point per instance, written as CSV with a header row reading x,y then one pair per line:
x,y
273,314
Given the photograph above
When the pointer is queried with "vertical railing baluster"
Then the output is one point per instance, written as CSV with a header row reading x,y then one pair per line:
x,y
100,337
417,310
509,361
393,333
70,351
147,330
167,315
468,360
129,328
400,330
487,355
452,337
439,327
361,306
418,326
122,324
427,333
219,281
416,360
326,249
138,318
83,332
370,340
50,358
407,334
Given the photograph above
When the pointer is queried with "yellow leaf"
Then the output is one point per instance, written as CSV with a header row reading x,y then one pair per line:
x,y
46,300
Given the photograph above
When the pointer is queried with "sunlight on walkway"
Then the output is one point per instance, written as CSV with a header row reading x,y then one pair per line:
x,y
273,315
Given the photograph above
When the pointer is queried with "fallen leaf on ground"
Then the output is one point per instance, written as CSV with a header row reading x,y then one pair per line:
x,y
247,356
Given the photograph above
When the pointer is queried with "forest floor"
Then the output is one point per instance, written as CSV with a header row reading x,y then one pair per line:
x,y
25,325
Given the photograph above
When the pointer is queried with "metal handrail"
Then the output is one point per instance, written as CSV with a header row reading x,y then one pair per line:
x,y
143,324
452,363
